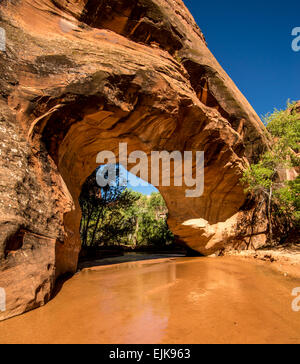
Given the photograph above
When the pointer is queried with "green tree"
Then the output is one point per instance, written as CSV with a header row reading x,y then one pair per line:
x,y
284,126
114,215
102,209
153,228
119,223
263,179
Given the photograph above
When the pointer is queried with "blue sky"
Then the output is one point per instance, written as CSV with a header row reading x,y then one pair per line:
x,y
133,182
252,41
136,183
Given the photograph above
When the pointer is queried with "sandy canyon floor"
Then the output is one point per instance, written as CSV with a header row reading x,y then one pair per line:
x,y
170,300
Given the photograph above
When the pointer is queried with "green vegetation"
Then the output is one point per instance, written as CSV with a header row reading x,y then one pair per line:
x,y
268,178
114,215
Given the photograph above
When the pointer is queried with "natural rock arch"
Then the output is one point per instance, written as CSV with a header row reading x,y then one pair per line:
x,y
146,78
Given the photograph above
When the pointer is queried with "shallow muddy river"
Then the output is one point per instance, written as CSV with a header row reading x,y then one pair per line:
x,y
172,300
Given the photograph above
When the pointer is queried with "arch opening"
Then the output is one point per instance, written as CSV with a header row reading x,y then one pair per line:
x,y
81,127
127,215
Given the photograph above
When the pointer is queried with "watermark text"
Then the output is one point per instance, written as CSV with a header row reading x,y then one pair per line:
x,y
2,300
296,40
2,40
187,168
296,301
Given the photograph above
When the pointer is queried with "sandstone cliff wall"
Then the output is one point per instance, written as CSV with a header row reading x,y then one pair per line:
x,y
78,77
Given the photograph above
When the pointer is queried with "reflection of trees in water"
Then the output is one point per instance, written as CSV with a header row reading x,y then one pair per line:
x,y
145,306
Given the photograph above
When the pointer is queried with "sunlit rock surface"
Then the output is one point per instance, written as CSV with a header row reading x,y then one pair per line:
x,y
79,77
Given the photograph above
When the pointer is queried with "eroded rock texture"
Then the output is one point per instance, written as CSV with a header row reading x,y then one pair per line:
x,y
78,77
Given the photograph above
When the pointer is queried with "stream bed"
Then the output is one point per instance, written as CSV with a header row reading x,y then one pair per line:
x,y
172,300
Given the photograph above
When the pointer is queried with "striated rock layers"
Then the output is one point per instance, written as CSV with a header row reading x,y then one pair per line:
x,y
77,78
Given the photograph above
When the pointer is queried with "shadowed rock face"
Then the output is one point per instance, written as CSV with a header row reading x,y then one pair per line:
x,y
79,77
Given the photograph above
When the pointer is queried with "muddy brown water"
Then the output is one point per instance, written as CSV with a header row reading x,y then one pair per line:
x,y
171,300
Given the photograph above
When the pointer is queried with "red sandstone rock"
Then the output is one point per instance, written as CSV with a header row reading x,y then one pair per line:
x,y
81,76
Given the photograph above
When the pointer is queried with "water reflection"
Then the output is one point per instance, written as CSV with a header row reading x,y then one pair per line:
x,y
180,300
142,314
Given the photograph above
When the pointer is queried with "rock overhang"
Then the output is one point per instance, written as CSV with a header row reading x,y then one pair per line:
x,y
74,85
